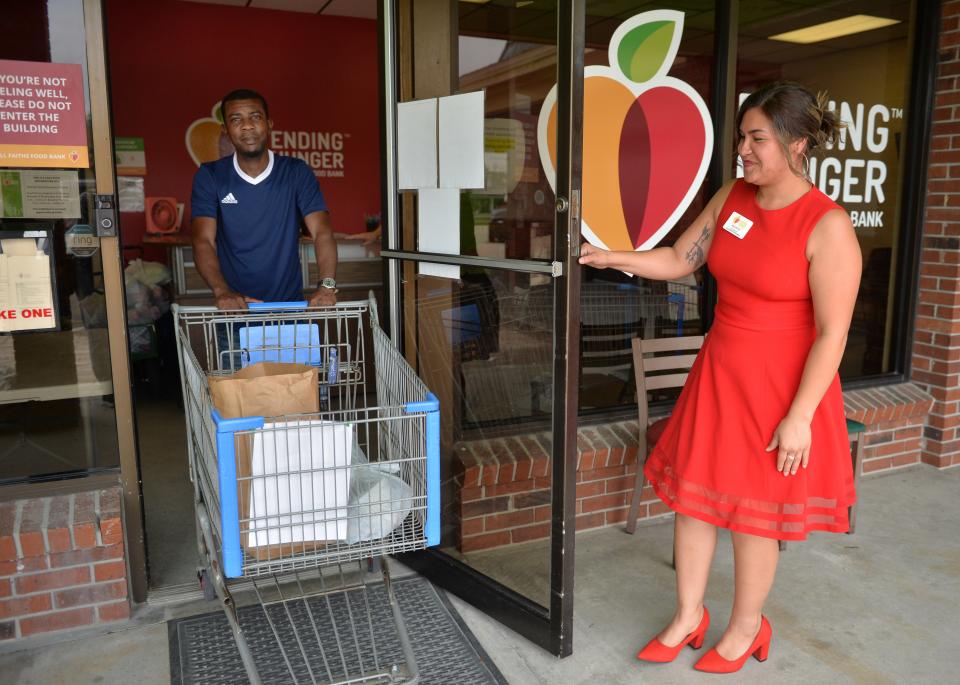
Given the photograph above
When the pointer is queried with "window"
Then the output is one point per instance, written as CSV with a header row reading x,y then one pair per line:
x,y
57,417
616,307
866,74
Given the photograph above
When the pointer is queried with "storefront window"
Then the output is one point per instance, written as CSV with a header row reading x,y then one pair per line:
x,y
615,307
57,416
866,74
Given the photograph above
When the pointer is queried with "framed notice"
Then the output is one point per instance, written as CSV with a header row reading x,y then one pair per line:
x,y
43,120
27,282
39,194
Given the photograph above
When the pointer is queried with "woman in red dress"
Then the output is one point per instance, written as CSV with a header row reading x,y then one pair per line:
x,y
757,442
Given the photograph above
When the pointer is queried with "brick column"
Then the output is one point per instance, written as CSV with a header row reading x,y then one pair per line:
x,y
62,564
936,343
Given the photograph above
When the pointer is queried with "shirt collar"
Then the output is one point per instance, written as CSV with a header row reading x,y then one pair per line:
x,y
263,174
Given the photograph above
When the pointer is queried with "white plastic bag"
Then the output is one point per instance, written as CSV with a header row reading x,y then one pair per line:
x,y
147,301
151,274
379,501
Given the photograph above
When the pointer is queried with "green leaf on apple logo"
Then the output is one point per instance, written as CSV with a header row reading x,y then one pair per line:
x,y
643,49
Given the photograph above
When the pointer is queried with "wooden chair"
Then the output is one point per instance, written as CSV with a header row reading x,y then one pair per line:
x,y
669,370
606,363
678,355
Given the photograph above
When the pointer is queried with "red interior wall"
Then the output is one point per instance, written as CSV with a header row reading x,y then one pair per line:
x,y
170,61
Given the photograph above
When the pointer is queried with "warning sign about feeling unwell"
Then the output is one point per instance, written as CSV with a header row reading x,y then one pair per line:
x,y
42,118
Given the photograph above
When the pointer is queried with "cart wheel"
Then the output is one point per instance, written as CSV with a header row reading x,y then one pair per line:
x,y
209,593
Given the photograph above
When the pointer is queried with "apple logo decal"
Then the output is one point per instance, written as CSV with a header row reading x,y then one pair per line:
x,y
647,137
205,139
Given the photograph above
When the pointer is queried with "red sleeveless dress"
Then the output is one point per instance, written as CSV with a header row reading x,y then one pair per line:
x,y
711,463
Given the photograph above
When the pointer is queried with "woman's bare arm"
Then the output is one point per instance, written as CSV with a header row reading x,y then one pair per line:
x,y
681,259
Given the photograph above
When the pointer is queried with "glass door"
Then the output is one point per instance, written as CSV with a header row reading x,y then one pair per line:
x,y
482,135
65,405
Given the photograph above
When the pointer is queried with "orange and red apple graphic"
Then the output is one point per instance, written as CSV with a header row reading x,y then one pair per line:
x,y
205,139
647,137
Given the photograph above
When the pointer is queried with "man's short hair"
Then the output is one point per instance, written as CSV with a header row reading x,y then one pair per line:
x,y
242,94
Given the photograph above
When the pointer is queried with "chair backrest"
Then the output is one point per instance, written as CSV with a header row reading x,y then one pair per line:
x,y
674,355
606,348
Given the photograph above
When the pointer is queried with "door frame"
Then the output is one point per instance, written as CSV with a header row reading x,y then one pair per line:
x,y
111,253
550,627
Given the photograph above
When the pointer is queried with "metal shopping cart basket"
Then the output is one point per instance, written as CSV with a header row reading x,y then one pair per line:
x,y
292,511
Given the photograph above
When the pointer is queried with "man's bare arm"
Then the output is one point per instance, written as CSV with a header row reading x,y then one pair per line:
x,y
205,257
325,248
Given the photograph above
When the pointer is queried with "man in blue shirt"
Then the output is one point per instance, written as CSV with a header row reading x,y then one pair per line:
x,y
246,210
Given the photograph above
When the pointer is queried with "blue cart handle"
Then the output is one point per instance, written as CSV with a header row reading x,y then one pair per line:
x,y
277,305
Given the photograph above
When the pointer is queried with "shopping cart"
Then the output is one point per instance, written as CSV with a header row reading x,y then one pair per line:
x,y
293,511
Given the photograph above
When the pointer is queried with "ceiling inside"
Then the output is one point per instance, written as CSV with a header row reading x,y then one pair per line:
x,y
365,9
535,22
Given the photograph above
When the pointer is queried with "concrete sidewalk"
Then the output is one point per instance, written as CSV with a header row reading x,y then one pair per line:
x,y
881,606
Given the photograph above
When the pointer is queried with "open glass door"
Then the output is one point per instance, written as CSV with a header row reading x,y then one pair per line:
x,y
65,403
483,112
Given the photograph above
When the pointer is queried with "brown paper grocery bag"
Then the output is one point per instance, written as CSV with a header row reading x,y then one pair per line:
x,y
266,389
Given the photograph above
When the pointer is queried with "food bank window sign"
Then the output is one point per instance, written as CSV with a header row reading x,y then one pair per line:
x,y
43,122
26,282
322,151
854,171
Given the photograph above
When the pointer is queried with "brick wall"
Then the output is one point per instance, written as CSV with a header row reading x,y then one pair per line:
x,y
936,342
62,563
505,488
505,494
895,416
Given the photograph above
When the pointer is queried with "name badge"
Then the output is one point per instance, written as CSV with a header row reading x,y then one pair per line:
x,y
738,224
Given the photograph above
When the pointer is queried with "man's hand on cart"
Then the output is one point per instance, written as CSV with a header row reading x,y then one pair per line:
x,y
229,299
323,297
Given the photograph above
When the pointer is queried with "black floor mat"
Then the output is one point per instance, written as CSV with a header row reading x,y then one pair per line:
x,y
202,648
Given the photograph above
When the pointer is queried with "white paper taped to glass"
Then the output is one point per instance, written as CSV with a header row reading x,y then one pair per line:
x,y
300,482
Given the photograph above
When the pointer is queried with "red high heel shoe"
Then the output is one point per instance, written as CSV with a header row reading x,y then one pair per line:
x,y
659,653
712,662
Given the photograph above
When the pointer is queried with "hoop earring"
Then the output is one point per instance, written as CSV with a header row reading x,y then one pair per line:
x,y
806,165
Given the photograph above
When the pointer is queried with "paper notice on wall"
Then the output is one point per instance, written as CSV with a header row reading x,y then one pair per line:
x,y
26,285
505,155
130,193
38,194
131,157
438,228
417,144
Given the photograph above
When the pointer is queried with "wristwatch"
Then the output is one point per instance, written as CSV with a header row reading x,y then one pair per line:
x,y
328,283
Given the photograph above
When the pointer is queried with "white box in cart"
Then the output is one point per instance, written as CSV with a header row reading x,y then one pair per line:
x,y
300,483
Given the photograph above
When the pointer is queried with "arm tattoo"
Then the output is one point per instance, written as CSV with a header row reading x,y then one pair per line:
x,y
695,253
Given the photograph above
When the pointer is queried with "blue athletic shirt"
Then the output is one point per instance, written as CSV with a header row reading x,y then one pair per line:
x,y
258,222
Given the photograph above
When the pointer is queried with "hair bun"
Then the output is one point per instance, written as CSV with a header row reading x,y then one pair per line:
x,y
829,124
